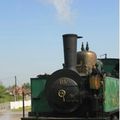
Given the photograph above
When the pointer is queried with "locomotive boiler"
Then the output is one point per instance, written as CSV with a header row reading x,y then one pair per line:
x,y
86,87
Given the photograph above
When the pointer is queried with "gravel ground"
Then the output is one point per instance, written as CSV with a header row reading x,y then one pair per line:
x,y
9,115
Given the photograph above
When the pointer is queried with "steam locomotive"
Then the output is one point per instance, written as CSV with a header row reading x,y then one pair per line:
x,y
86,88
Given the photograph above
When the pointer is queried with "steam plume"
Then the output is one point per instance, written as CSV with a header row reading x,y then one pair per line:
x,y
63,8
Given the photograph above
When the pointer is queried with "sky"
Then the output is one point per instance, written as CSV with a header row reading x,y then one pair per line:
x,y
31,34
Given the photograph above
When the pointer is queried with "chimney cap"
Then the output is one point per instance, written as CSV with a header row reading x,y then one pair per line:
x,y
72,35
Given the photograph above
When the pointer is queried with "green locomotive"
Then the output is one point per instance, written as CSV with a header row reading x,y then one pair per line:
x,y
86,88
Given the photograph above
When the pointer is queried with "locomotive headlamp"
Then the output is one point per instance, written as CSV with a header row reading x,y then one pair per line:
x,y
95,81
61,94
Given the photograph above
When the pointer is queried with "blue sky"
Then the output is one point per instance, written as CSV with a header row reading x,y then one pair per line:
x,y
31,33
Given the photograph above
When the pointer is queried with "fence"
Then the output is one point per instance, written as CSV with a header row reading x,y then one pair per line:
x,y
19,104
4,106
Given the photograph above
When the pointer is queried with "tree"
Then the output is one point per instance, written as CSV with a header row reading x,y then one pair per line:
x,y
27,88
2,91
4,95
26,85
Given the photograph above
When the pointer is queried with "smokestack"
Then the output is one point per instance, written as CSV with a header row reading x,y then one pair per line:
x,y
70,50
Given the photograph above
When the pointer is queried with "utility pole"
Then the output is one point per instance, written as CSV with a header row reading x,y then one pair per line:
x,y
15,89
23,99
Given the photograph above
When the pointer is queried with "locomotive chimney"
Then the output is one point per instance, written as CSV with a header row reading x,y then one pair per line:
x,y
70,50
